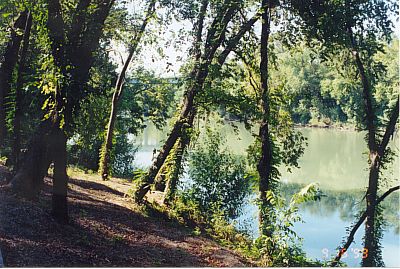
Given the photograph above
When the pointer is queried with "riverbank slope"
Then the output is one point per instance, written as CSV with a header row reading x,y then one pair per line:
x,y
106,229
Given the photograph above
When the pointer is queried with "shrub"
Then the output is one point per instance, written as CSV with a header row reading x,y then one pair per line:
x,y
218,176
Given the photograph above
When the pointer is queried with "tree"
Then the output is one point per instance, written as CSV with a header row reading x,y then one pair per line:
x,y
107,146
72,47
276,142
264,166
359,29
19,95
9,61
216,36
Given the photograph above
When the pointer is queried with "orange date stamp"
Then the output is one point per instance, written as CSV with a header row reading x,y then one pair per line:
x,y
344,253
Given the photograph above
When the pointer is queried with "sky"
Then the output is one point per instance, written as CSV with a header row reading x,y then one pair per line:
x,y
148,57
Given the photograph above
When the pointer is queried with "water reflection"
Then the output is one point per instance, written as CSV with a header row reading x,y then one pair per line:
x,y
326,220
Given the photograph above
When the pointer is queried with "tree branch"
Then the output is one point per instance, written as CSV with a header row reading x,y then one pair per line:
x,y
94,28
214,38
233,41
367,95
199,26
81,51
390,128
252,80
357,225
133,48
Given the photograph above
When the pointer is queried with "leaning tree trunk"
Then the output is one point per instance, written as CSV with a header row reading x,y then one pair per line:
x,y
174,172
198,75
19,95
188,106
148,179
184,141
177,166
350,238
264,166
7,68
105,154
176,132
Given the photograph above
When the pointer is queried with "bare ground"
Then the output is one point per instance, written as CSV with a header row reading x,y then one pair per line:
x,y
106,229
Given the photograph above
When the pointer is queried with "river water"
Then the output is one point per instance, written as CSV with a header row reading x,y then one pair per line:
x,y
336,160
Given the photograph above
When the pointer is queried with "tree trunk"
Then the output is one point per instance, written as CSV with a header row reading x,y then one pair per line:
x,y
7,68
105,154
148,179
19,95
184,140
370,240
60,177
265,163
29,178
176,132
173,176
107,146
182,144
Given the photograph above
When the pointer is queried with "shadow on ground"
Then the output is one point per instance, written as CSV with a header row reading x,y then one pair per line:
x,y
102,232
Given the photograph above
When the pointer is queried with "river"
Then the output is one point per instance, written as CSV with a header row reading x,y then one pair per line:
x,y
336,159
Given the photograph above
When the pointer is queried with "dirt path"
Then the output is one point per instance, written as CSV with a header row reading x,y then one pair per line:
x,y
105,230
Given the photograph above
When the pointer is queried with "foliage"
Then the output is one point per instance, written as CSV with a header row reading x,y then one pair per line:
x,y
218,176
303,73
371,30
283,248
146,98
124,154
188,211
88,136
31,91
229,93
318,91
137,179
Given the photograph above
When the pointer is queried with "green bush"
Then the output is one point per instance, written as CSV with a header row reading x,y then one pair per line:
x,y
218,176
